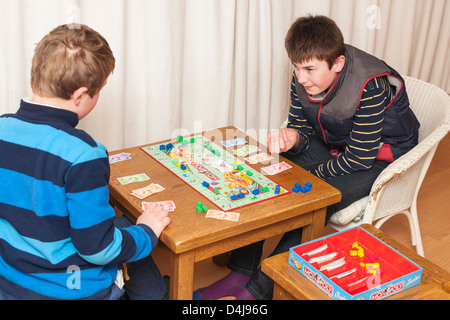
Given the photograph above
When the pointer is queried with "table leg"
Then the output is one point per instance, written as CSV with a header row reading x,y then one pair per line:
x,y
315,229
182,281
281,294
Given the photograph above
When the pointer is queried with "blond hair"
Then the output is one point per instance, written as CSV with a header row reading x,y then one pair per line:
x,y
67,59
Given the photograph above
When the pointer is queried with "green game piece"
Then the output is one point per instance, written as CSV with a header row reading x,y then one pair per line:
x,y
175,161
265,189
216,190
179,138
249,173
204,208
192,140
240,168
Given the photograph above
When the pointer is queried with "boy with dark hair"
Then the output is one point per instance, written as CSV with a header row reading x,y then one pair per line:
x,y
58,238
349,118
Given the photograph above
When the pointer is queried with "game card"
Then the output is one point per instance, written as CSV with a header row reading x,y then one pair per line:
x,y
260,157
221,215
222,166
234,142
147,191
119,157
167,205
134,178
245,151
276,168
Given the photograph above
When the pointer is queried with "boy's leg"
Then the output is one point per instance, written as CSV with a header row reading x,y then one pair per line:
x,y
243,263
260,285
352,186
145,281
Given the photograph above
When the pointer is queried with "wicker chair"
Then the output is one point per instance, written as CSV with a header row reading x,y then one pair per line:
x,y
396,188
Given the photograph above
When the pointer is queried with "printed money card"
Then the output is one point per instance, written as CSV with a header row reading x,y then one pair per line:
x,y
245,151
260,157
234,142
167,205
147,191
119,157
134,178
221,215
276,168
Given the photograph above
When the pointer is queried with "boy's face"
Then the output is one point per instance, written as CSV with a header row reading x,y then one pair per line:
x,y
315,75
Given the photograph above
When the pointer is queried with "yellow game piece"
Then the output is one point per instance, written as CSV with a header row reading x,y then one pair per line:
x,y
361,252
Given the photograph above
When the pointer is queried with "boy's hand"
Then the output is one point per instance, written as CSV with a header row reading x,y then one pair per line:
x,y
155,217
282,140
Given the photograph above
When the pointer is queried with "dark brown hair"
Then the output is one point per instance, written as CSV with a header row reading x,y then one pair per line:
x,y
67,59
314,37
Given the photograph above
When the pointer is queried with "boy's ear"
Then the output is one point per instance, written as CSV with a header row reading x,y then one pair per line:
x,y
78,95
339,63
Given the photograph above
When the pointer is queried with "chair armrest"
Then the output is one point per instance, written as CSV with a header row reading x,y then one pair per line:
x,y
399,167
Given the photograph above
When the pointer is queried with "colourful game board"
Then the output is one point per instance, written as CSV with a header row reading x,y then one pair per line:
x,y
215,173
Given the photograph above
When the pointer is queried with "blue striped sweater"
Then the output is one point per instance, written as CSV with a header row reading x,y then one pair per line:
x,y
54,209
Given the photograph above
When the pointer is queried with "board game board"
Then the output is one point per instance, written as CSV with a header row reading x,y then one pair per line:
x,y
215,173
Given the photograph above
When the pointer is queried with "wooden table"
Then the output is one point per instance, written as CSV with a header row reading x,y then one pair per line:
x,y
191,237
290,284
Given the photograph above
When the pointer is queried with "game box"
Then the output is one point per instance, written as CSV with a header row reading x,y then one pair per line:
x,y
355,265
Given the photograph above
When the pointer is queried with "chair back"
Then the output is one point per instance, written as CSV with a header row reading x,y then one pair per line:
x,y
397,186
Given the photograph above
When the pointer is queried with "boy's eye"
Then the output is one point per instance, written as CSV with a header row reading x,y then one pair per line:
x,y
309,70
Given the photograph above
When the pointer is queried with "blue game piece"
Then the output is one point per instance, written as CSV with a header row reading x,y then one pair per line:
x,y
169,146
205,184
183,167
303,189
162,147
255,192
234,197
297,185
308,186
241,195
277,189
295,189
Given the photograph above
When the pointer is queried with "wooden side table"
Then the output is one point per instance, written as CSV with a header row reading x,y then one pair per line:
x,y
291,285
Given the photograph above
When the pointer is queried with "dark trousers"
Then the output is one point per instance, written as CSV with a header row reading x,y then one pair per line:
x,y
353,187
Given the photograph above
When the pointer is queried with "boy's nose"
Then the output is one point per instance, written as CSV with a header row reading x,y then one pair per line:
x,y
302,77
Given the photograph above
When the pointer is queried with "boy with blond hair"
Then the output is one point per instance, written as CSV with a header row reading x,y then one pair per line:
x,y
59,237
349,118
